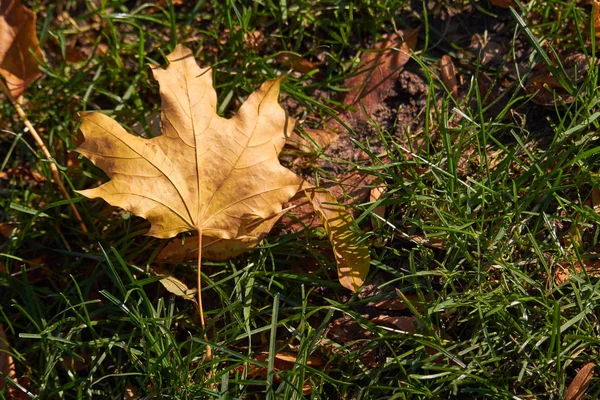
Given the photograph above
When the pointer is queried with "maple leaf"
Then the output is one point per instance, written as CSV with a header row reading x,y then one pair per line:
x,y
204,173
18,64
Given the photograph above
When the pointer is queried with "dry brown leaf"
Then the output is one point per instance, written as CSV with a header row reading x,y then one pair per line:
x,y
351,188
380,69
284,361
19,46
297,63
405,324
7,368
352,258
448,75
591,266
503,3
580,383
174,285
165,3
547,90
205,173
374,195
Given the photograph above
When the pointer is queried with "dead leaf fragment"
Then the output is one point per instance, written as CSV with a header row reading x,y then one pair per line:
x,y
205,173
8,369
580,383
352,258
379,70
374,195
297,63
19,46
448,75
546,88
503,3
284,361
174,285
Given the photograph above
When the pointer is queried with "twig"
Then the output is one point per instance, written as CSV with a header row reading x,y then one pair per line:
x,y
201,309
44,149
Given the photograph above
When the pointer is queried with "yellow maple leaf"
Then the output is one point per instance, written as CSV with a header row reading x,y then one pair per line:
x,y
204,173
219,177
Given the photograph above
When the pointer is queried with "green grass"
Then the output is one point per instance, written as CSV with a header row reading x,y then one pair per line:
x,y
506,188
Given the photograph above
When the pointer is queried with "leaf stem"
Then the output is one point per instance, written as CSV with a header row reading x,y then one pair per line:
x,y
200,308
44,149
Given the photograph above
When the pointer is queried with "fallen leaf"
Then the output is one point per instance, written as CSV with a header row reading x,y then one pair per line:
x,y
352,258
547,90
205,173
405,324
580,383
219,177
297,63
351,188
591,266
19,46
284,361
448,75
165,3
398,303
8,369
503,3
378,72
374,195
174,285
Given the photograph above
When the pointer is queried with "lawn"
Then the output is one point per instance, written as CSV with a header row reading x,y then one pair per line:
x,y
471,170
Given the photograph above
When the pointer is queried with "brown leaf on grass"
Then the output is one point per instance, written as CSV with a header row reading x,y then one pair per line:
x,y
405,324
580,383
545,87
564,271
399,304
174,285
351,188
503,3
284,361
205,173
7,368
297,63
19,46
377,73
352,258
374,195
165,3
448,75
